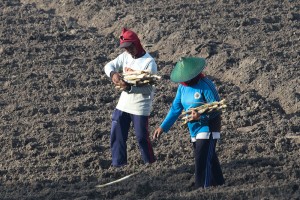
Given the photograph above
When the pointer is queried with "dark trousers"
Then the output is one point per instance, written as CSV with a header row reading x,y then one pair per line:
x,y
119,133
207,167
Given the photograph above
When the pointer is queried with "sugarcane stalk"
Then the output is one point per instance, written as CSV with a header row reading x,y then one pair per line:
x,y
203,108
139,78
206,108
117,181
137,72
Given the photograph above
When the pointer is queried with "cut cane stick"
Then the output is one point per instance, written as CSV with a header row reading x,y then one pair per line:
x,y
119,88
140,78
134,77
117,181
206,108
157,77
136,72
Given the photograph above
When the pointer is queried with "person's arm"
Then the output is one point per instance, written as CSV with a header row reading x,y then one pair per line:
x,y
210,92
171,117
114,66
152,67
112,70
211,95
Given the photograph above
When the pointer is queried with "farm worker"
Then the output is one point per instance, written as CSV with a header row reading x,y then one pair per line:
x,y
135,103
194,90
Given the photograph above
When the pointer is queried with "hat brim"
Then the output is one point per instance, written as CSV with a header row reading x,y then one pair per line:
x,y
187,68
125,44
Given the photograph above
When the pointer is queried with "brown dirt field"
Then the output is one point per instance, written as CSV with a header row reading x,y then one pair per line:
x,y
56,102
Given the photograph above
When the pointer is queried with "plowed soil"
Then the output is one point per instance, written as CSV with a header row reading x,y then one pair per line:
x,y
56,102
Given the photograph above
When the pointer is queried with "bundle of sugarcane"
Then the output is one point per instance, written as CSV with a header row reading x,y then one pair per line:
x,y
140,78
206,108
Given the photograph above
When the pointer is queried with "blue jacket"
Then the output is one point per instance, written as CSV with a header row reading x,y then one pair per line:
x,y
189,97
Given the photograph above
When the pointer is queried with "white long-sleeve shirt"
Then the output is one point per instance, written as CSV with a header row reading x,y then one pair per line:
x,y
138,100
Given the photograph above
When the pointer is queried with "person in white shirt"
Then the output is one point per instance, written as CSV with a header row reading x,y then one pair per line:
x,y
135,102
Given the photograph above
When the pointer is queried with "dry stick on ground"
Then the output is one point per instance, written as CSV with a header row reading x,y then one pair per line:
x,y
117,181
209,107
296,138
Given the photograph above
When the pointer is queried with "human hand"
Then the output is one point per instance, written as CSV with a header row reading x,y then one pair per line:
x,y
124,85
157,133
119,82
195,116
116,78
127,69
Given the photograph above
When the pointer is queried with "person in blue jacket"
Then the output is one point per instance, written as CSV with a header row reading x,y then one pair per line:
x,y
194,90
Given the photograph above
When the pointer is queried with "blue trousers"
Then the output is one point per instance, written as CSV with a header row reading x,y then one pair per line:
x,y
207,167
119,133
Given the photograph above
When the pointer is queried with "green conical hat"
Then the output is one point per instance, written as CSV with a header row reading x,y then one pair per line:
x,y
187,68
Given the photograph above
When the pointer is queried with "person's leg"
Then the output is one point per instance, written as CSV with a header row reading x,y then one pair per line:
x,y
118,137
218,178
200,154
217,175
140,124
208,169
